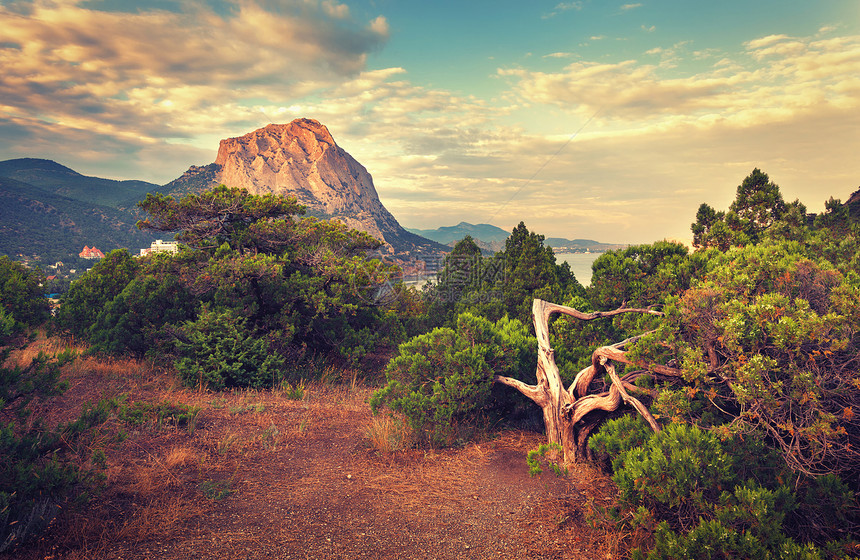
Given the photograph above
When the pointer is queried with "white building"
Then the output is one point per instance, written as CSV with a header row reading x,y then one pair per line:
x,y
159,246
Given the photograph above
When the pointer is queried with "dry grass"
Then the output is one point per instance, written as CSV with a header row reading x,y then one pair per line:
x,y
180,457
155,479
388,434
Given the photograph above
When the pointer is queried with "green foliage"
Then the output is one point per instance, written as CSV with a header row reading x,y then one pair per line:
x,y
37,473
712,540
217,350
301,286
133,321
505,284
768,336
757,207
219,215
533,459
294,391
679,472
441,380
216,490
88,295
21,295
161,414
696,486
643,275
617,436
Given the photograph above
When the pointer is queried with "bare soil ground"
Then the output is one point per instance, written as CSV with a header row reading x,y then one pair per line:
x,y
263,476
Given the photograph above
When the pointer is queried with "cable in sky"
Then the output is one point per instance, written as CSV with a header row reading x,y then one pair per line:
x,y
552,157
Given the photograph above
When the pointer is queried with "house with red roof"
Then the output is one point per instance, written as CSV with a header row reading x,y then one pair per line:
x,y
91,253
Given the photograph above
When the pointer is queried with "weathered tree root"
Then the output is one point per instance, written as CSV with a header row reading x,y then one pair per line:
x,y
571,414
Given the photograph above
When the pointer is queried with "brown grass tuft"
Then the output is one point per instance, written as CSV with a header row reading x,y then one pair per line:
x,y
180,457
388,434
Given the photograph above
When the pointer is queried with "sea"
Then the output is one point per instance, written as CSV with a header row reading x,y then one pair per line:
x,y
580,264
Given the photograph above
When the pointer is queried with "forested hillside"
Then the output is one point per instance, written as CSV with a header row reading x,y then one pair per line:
x,y
51,212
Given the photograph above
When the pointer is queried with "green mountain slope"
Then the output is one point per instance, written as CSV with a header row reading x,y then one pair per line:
x,y
34,222
57,179
447,234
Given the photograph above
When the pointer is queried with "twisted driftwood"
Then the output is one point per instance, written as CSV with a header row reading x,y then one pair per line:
x,y
566,410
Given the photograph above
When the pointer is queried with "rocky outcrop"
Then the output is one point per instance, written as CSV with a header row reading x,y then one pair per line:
x,y
301,159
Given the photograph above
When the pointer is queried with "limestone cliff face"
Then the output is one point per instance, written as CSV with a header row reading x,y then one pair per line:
x,y
301,159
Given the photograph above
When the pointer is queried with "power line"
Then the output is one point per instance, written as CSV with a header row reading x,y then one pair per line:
x,y
552,157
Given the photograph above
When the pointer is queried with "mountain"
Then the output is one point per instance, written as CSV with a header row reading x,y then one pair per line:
x,y
301,159
37,222
58,179
492,238
561,245
486,236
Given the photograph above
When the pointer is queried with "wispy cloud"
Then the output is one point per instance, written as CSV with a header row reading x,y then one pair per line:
x,y
149,93
627,7
156,74
795,76
563,7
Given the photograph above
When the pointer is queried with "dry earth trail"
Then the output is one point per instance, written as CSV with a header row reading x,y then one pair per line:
x,y
263,476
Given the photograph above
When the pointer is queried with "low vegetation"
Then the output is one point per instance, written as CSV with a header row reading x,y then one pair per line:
x,y
718,387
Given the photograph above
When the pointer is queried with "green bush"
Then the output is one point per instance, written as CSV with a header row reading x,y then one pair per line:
x,y
163,413
218,350
442,380
678,474
21,294
89,294
714,499
38,470
711,540
617,436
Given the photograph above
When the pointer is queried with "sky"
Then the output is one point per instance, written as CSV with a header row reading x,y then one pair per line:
x,y
600,120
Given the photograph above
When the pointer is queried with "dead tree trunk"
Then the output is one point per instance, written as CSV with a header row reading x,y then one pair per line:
x,y
564,408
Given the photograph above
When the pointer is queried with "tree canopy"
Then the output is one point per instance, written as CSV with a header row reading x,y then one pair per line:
x,y
299,285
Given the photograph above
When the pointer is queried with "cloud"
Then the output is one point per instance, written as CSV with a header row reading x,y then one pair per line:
x,y
152,74
787,76
146,94
659,146
626,7
563,7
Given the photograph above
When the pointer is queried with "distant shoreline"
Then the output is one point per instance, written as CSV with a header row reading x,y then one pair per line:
x,y
580,264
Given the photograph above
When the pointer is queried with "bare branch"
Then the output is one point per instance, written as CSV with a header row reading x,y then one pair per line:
x,y
531,391
632,401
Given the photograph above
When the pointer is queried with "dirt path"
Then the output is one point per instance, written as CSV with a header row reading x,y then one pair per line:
x,y
304,483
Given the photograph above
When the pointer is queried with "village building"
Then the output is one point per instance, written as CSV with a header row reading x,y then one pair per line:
x,y
91,253
159,246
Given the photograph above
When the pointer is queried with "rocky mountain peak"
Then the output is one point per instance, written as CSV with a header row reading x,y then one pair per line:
x,y
301,159
275,141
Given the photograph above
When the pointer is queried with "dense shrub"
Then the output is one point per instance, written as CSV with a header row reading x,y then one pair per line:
x,y
89,294
35,478
442,380
617,436
678,474
21,294
218,350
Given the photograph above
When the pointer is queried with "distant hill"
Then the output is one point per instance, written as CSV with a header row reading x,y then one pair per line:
x,y
58,179
37,222
488,236
561,245
447,234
